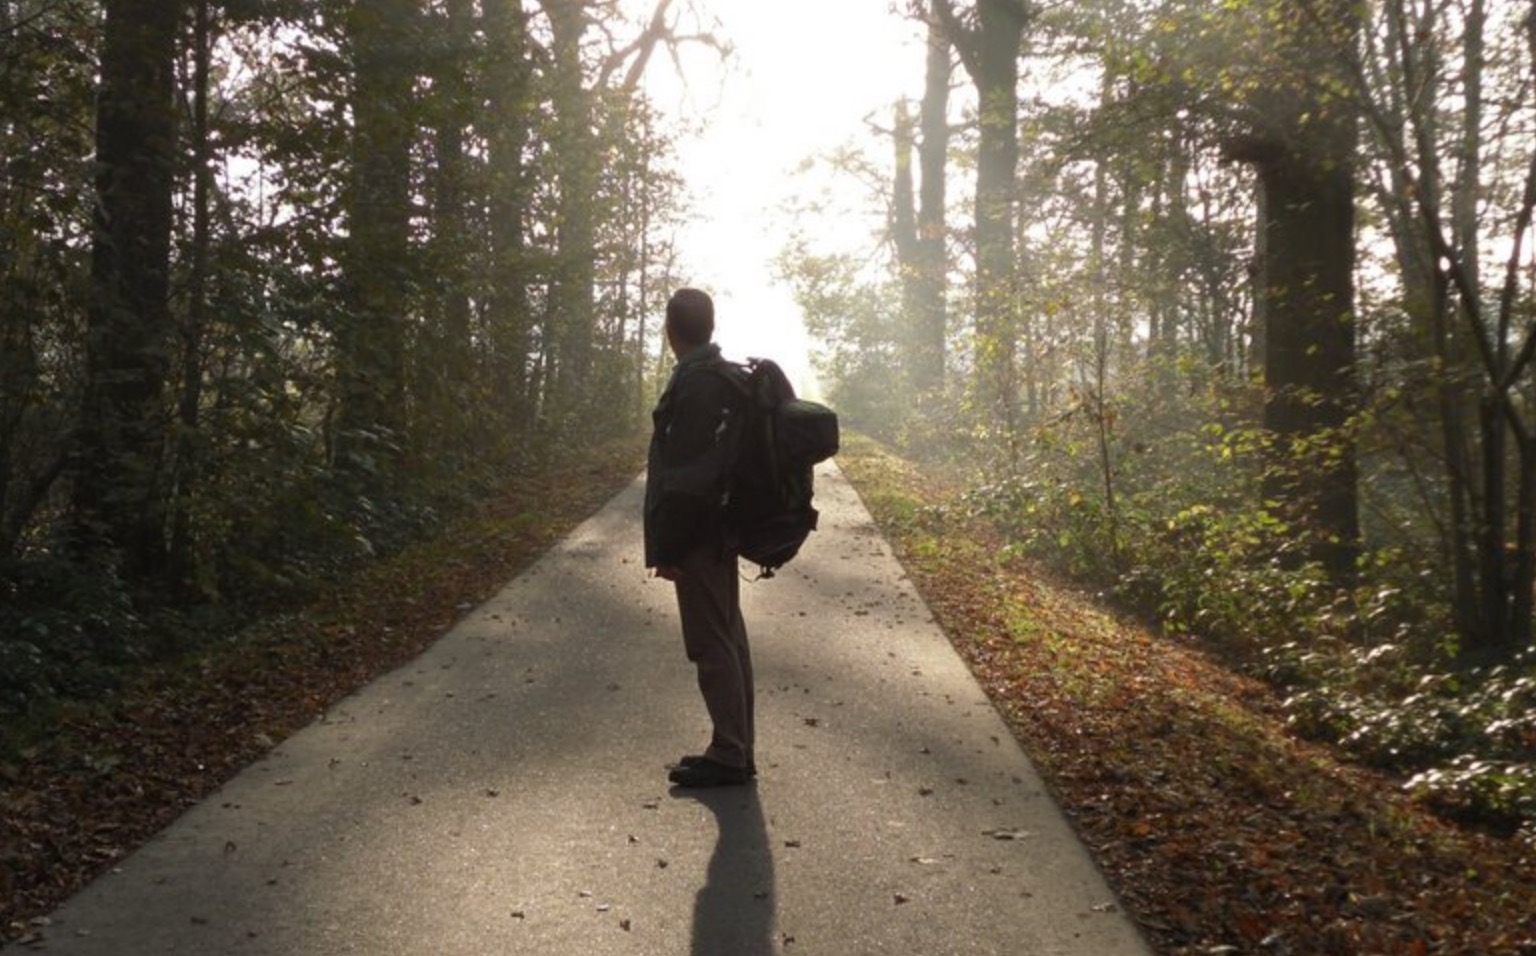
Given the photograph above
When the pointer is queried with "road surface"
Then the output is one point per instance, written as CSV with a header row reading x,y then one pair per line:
x,y
506,792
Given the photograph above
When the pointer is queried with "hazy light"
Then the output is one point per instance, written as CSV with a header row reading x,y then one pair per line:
x,y
805,77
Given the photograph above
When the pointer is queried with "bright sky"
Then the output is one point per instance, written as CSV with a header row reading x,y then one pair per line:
x,y
805,77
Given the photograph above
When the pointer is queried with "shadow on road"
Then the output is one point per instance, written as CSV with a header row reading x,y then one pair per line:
x,y
734,911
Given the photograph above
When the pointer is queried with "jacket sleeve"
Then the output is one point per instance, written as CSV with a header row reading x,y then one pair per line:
x,y
697,438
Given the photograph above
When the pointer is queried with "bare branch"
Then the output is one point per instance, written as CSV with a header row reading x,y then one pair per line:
x,y
640,48
1446,255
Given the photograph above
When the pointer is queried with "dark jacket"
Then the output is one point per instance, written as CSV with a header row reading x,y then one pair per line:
x,y
696,429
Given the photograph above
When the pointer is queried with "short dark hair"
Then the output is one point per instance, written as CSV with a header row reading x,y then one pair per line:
x,y
691,316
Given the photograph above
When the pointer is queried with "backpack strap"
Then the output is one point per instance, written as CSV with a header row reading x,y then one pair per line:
x,y
737,373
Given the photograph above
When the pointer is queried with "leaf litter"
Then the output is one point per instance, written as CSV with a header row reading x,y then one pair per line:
x,y
1218,830
106,779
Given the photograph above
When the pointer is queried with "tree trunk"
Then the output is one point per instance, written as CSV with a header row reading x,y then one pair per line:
x,y
1523,573
187,464
1305,161
996,170
1308,284
508,98
1426,295
118,490
1096,400
572,307
990,52
370,342
1173,260
443,353
931,255
904,235
918,229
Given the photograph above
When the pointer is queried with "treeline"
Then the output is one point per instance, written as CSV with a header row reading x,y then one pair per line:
x,y
1232,305
279,281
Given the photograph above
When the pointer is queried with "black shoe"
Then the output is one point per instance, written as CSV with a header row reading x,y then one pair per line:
x,y
692,759
704,772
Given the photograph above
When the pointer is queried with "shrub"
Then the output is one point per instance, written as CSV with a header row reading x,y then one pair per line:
x,y
64,629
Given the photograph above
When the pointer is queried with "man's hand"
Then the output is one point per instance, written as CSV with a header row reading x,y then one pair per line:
x,y
669,572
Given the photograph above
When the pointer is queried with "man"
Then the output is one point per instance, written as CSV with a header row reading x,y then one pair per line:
x,y
697,427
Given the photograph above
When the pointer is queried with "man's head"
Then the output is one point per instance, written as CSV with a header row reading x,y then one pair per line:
x,y
690,320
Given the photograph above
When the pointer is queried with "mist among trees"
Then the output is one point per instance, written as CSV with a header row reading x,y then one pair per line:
x,y
1227,310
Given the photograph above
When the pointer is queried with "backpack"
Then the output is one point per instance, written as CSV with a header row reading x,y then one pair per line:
x,y
768,499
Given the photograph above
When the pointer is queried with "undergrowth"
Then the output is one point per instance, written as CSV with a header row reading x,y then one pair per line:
x,y
1373,667
74,633
1222,823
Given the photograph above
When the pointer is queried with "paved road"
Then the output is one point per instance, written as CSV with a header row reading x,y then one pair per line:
x,y
506,792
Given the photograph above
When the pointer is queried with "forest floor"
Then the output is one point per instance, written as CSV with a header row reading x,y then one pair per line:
x,y
1221,832
73,805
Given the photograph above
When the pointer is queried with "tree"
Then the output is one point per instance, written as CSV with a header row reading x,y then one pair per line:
x,y
508,124
185,462
370,340
1467,332
48,86
1303,144
921,234
285,319
443,370
582,142
119,493
571,311
988,42
857,320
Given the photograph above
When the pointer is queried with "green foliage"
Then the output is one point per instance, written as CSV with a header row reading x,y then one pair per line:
x,y
1467,737
270,489
1047,520
64,630
1365,666
1497,793
858,322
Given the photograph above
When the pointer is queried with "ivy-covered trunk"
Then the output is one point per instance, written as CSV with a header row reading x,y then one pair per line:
x,y
124,425
1304,148
370,418
1308,279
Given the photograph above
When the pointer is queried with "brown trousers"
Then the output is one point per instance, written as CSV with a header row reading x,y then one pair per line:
x,y
715,639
